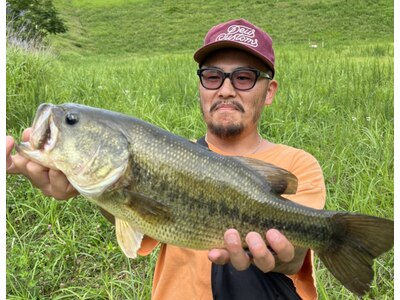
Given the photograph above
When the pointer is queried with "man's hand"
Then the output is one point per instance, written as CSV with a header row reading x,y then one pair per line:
x,y
9,161
50,182
283,258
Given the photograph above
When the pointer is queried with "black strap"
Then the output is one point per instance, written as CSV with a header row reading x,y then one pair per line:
x,y
202,141
252,284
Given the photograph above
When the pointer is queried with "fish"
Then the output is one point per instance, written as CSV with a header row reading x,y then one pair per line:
x,y
164,186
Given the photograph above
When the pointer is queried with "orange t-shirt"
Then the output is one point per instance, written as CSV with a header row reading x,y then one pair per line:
x,y
186,274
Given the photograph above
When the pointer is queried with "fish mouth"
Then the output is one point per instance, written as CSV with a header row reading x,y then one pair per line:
x,y
42,140
43,137
47,137
44,133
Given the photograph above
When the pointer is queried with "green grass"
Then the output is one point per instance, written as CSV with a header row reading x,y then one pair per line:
x,y
59,256
153,27
335,101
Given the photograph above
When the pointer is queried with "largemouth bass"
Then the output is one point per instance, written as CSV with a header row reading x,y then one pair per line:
x,y
161,185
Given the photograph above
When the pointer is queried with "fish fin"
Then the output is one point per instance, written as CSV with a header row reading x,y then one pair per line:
x,y
129,239
280,180
350,258
147,207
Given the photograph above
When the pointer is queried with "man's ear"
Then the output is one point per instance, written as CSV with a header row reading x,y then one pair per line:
x,y
272,88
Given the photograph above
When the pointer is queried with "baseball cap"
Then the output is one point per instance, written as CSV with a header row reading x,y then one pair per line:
x,y
240,34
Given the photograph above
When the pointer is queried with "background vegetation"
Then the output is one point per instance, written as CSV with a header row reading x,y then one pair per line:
x,y
335,101
33,18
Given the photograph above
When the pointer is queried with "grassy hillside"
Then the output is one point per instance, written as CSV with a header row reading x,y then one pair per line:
x,y
147,27
336,102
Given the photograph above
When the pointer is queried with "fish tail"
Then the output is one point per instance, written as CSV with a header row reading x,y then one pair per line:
x,y
357,241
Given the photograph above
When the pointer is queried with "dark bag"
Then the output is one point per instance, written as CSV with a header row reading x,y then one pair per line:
x,y
252,284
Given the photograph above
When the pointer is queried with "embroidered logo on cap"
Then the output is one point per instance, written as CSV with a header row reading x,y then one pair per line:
x,y
239,33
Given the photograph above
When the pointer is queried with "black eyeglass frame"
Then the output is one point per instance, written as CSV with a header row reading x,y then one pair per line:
x,y
258,74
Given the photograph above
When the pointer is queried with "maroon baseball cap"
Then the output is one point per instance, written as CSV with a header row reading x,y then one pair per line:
x,y
240,34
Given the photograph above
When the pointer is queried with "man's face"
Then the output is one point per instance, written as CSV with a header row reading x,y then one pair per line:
x,y
229,112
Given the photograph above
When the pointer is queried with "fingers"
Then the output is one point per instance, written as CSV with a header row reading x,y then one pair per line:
x,y
238,257
26,134
18,165
281,245
9,162
232,253
11,167
219,256
9,144
59,186
51,182
263,256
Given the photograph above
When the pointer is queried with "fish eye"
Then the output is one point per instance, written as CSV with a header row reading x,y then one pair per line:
x,y
71,118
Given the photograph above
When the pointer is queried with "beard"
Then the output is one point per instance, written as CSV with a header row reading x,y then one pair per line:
x,y
226,131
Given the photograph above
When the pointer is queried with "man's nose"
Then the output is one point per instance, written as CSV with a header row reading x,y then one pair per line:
x,y
227,89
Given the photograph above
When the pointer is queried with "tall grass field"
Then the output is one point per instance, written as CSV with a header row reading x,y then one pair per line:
x,y
334,62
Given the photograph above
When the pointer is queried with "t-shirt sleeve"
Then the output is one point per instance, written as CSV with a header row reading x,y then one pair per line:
x,y
147,246
311,187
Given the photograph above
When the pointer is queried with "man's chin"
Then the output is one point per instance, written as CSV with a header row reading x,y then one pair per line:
x,y
225,131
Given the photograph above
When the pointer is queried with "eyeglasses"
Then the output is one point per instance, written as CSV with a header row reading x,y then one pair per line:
x,y
242,79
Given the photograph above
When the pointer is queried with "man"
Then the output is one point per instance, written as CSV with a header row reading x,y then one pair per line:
x,y
236,70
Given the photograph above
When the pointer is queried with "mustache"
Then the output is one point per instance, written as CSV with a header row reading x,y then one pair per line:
x,y
234,103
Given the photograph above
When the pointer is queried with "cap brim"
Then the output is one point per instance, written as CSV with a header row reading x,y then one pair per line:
x,y
200,55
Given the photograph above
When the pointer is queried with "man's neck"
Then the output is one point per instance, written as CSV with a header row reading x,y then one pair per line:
x,y
239,145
